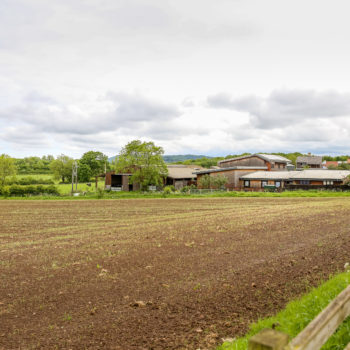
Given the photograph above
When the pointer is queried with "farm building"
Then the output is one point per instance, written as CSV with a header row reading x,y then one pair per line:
x,y
309,161
271,161
261,179
181,175
320,177
119,182
305,179
233,174
178,176
235,168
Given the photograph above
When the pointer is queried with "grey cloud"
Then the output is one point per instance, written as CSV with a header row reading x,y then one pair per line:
x,y
48,115
135,108
285,106
121,24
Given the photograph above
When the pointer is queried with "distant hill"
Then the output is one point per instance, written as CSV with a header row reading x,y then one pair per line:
x,y
174,158
182,157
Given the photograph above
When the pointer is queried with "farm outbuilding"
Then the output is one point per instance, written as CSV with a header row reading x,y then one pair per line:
x,y
309,161
233,174
181,175
120,182
271,161
304,179
259,180
235,168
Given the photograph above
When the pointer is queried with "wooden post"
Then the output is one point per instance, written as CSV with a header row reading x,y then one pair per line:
x,y
324,325
268,339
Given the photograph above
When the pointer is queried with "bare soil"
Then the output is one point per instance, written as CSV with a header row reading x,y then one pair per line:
x,y
159,273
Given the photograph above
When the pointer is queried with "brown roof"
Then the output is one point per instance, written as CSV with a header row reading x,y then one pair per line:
x,y
182,171
268,157
219,170
310,159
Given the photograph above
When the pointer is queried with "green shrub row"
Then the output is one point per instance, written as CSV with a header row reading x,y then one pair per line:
x,y
29,181
33,190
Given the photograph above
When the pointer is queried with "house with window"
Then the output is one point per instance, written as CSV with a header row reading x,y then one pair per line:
x,y
309,161
261,179
235,168
304,179
320,177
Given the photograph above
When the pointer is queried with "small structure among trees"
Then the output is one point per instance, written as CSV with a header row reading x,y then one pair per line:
x,y
143,163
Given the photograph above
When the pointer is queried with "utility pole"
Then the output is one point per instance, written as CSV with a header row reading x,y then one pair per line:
x,y
74,176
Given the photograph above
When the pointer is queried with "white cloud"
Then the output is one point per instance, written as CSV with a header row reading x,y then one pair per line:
x,y
77,75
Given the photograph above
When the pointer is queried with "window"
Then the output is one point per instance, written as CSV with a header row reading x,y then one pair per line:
x,y
263,183
328,182
272,165
304,182
278,184
246,183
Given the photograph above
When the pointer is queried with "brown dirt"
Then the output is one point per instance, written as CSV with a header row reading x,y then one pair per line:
x,y
159,274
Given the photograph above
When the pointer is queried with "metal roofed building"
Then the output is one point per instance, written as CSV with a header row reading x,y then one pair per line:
x,y
294,179
260,179
233,174
321,175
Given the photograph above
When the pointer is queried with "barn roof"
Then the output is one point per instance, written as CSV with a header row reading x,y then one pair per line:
x,y
207,171
268,157
182,172
322,174
313,160
269,175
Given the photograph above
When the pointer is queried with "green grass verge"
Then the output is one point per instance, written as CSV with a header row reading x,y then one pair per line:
x,y
298,314
65,190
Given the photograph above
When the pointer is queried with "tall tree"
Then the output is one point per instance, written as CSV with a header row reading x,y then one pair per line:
x,y
61,167
95,161
7,168
145,161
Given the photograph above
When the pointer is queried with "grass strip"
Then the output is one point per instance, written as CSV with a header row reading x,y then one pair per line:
x,y
299,313
139,195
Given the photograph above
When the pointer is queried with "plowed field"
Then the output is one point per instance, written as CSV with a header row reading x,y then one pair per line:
x,y
159,273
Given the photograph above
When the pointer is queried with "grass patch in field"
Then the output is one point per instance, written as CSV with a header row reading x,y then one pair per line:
x,y
298,314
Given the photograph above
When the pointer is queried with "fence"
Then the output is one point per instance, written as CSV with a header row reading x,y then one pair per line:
x,y
336,188
314,335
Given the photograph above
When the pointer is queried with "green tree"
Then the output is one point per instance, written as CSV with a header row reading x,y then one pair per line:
x,y
96,161
84,172
205,181
62,167
145,161
219,181
7,168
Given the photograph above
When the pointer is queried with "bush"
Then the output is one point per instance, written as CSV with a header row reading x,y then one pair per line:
x,y
5,191
100,192
30,190
168,190
188,189
29,181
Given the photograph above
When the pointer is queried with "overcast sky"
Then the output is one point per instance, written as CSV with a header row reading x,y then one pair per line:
x,y
194,76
